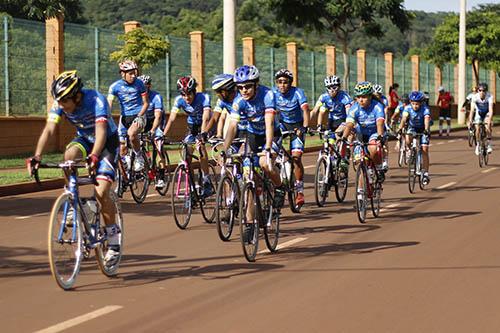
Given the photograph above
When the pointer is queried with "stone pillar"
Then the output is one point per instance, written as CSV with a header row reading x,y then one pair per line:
x,y
54,52
197,58
389,70
331,60
248,51
415,72
131,25
493,85
455,81
292,61
361,65
475,82
438,79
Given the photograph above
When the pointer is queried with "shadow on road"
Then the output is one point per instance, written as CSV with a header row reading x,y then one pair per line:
x,y
336,229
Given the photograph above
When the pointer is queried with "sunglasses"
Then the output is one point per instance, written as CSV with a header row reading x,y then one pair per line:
x,y
282,81
333,88
245,86
481,90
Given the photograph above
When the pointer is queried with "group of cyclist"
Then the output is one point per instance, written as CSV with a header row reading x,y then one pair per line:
x,y
245,109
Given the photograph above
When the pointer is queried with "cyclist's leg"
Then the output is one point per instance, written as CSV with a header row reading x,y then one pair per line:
x,y
78,148
441,119
424,143
122,131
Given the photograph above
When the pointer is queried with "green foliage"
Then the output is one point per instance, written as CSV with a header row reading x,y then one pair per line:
x,y
143,47
42,9
482,38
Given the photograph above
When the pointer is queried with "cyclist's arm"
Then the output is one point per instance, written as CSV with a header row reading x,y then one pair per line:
x,y
100,137
307,117
207,121
110,100
48,132
313,112
404,119
157,120
220,124
490,109
145,105
427,123
231,133
380,126
472,110
347,130
171,119
269,119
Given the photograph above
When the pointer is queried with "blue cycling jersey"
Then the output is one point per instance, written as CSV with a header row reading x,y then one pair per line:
x,y
93,109
416,118
129,96
222,106
289,105
366,118
254,110
482,105
155,103
384,100
336,106
193,110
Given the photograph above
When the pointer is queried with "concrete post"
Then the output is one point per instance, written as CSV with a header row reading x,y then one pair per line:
x,y
197,58
292,61
229,36
361,65
493,85
456,87
331,60
415,72
131,25
248,51
475,81
389,70
438,80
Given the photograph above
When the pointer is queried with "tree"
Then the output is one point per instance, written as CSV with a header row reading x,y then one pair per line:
x,y
482,39
342,17
42,9
145,48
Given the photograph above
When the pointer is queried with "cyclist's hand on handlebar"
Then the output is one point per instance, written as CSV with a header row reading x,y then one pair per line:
x,y
381,139
202,137
92,161
32,164
427,132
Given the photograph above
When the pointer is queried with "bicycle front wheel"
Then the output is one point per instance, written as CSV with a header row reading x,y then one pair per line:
x,y
140,181
208,203
342,182
321,181
412,174
271,219
249,226
65,241
120,182
361,193
227,199
402,152
166,176
376,199
102,248
181,198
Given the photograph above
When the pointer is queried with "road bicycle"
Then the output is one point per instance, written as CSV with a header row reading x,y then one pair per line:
x,y
187,189
401,145
257,209
415,164
483,146
154,172
332,170
471,135
368,181
75,228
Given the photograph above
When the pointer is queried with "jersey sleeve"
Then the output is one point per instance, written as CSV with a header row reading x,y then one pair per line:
x,y
269,102
157,103
490,100
178,104
112,91
55,113
101,109
346,99
406,111
206,101
427,112
379,111
301,96
320,103
141,87
218,106
352,115
237,108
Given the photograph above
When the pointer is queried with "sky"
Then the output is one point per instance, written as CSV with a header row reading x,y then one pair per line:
x,y
443,5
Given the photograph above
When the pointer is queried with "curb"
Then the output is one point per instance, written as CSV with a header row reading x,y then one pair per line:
x,y
51,184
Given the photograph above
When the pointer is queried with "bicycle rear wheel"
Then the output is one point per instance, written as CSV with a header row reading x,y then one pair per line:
x,y
249,226
227,200
412,175
361,193
65,242
167,176
342,183
321,182
420,163
271,219
376,199
292,191
120,182
471,137
102,248
208,204
402,152
181,197
140,181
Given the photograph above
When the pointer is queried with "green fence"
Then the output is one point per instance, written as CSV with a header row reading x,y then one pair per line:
x,y
87,49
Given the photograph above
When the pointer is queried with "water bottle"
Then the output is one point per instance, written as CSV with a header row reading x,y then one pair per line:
x,y
247,164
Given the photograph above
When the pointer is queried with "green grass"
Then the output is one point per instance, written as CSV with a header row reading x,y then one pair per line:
x,y
18,161
12,177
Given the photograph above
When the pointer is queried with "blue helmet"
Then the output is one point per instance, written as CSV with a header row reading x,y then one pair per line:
x,y
416,96
223,82
246,73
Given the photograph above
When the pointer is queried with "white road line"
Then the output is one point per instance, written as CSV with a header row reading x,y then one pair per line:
x,y
386,208
152,195
30,216
440,143
446,185
489,170
80,319
309,166
286,244
451,141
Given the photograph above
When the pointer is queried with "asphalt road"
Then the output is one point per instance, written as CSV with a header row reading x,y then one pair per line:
x,y
429,263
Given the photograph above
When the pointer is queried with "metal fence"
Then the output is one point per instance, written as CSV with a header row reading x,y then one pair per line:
x,y
87,49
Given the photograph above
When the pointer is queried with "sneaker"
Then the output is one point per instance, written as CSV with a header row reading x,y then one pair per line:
x,y
160,183
208,189
299,200
279,197
477,150
489,150
138,163
426,179
112,255
385,166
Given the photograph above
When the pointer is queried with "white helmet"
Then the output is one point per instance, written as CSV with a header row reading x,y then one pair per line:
x,y
127,65
378,89
332,81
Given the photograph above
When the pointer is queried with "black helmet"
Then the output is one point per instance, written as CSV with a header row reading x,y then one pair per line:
x,y
67,84
482,86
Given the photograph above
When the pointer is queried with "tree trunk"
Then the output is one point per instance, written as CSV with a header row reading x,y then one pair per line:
x,y
475,69
347,67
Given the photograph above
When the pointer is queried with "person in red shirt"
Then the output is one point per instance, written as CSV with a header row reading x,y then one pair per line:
x,y
444,101
393,101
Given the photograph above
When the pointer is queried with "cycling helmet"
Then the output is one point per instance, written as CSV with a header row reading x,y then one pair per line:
x,y
332,81
127,65
405,99
145,78
246,73
363,88
378,89
66,84
441,89
284,73
482,86
186,84
416,96
223,82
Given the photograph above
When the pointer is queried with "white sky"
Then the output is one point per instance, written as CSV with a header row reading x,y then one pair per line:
x,y
443,5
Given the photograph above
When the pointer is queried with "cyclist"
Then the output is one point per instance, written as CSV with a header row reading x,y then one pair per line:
x,y
256,105
394,101
198,108
398,111
133,98
155,123
444,101
96,141
418,117
293,110
378,95
482,111
467,103
368,114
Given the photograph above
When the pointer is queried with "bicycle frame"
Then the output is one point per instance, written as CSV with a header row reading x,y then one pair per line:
x,y
367,162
